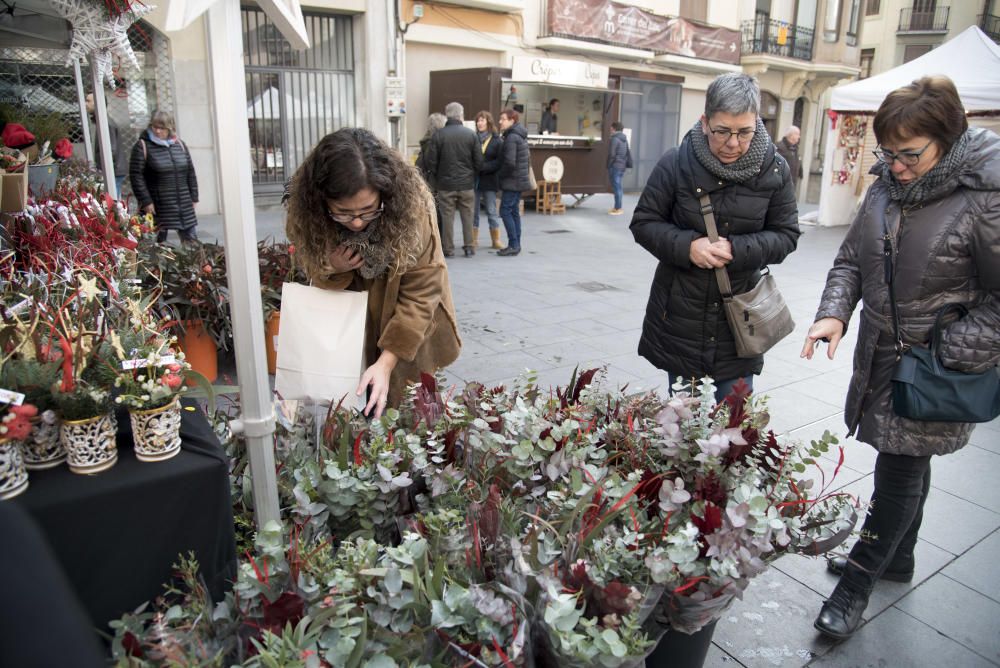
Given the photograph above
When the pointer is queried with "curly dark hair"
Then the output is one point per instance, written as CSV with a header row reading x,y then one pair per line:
x,y
341,165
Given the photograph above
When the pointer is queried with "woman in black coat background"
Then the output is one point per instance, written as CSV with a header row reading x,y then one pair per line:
x,y
163,179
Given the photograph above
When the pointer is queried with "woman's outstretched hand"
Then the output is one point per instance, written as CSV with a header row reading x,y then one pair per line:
x,y
377,375
344,259
830,330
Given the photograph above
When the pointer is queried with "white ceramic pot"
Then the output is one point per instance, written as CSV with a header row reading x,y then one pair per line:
x,y
157,432
43,449
13,475
90,444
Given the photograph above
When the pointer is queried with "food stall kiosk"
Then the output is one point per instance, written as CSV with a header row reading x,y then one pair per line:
x,y
588,102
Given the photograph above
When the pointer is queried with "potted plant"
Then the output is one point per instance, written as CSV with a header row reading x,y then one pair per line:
x,y
15,427
276,262
193,286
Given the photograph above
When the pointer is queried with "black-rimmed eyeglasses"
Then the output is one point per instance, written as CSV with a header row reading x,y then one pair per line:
x,y
722,135
907,158
346,218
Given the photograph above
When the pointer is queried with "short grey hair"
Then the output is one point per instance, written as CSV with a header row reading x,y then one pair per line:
x,y
454,111
791,129
435,122
732,93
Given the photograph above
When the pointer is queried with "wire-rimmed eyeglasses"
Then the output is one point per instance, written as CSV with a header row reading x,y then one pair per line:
x,y
907,158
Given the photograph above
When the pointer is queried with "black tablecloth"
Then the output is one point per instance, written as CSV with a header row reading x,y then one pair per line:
x,y
117,533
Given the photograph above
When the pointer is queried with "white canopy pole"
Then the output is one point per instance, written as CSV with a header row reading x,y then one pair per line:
x,y
81,97
232,150
103,136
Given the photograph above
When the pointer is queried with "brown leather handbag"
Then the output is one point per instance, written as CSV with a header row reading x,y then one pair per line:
x,y
758,318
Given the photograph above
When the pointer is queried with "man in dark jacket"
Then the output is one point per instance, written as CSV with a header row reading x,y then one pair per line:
x,y
619,159
454,158
728,156
788,148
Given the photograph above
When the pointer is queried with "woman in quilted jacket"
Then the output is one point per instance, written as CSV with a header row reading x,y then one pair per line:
x,y
163,179
938,194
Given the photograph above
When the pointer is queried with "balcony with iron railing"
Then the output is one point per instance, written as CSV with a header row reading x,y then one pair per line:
x,y
990,25
914,19
777,38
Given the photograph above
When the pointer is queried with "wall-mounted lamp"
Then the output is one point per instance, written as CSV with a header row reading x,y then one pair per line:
x,y
418,13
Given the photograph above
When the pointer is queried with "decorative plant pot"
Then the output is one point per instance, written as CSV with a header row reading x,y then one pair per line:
x,y
43,449
157,432
13,475
681,650
90,444
199,350
271,326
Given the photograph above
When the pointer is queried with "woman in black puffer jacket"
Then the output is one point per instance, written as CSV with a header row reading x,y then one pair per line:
x,y
163,179
728,156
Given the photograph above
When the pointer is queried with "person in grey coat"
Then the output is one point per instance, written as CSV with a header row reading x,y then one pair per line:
x,y
938,191
788,148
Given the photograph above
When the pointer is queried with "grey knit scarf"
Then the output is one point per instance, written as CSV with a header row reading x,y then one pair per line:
x,y
919,190
744,169
368,242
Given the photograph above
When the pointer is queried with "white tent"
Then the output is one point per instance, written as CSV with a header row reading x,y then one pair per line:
x,y
970,59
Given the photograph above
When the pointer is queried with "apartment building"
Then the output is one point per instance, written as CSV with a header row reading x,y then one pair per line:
x,y
897,31
799,49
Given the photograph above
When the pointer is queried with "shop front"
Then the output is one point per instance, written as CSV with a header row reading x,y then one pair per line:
x,y
588,101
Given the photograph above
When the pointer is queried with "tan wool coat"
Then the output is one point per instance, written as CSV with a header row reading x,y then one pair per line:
x,y
410,313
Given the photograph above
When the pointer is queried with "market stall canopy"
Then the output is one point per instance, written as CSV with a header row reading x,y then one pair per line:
x,y
33,24
970,59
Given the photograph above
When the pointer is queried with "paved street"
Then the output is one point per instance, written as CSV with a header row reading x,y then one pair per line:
x,y
576,296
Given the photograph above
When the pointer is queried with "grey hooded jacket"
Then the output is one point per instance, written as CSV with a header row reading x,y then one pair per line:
x,y
948,250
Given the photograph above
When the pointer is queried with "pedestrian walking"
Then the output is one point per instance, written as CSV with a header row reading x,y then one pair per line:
x,y
788,148
619,159
489,179
933,214
728,156
118,158
514,178
550,118
454,159
163,179
361,218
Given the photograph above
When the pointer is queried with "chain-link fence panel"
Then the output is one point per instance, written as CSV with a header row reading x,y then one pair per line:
x,y
37,84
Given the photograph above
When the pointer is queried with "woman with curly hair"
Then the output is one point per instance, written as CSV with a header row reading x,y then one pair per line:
x,y
361,218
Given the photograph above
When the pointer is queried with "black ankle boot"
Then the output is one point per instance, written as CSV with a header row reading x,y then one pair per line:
x,y
840,616
893,573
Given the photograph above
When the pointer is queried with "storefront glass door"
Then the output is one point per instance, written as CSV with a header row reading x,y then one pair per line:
x,y
653,119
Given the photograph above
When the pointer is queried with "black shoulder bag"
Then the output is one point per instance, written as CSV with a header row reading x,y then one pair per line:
x,y
922,388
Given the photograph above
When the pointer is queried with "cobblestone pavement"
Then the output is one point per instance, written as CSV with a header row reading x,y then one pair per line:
x,y
576,296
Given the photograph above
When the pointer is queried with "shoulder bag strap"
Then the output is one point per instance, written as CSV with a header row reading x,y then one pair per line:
x,y
888,253
721,275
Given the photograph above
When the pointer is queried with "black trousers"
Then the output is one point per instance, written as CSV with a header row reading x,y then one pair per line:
x,y
889,533
186,234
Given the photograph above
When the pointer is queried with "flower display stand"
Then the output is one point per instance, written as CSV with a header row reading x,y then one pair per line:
x,y
157,432
90,444
13,475
43,449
